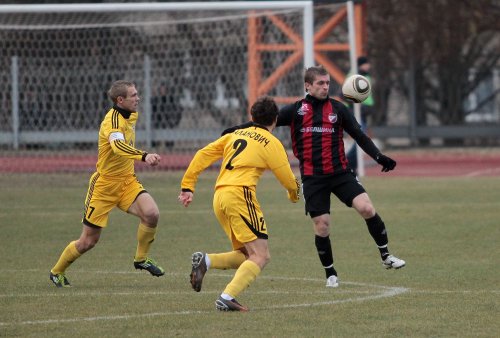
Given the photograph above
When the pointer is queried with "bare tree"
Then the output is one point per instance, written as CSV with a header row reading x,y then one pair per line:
x,y
450,46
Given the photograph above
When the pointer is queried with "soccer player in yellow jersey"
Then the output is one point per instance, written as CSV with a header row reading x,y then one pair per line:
x,y
246,154
114,184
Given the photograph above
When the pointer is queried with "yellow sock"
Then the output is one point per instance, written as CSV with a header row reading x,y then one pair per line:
x,y
145,236
68,256
244,276
226,260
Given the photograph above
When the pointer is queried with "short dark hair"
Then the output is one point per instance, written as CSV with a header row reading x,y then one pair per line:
x,y
312,72
119,88
264,111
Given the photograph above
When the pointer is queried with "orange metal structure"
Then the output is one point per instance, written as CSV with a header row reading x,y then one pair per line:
x,y
258,86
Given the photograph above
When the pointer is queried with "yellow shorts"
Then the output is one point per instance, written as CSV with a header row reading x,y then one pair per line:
x,y
239,214
105,193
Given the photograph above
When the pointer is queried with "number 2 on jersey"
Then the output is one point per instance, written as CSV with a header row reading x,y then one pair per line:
x,y
239,145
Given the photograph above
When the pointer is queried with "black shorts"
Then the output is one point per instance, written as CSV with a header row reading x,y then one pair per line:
x,y
318,189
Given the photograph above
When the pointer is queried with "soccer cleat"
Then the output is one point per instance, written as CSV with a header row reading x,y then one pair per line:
x,y
332,282
150,265
59,280
198,271
393,262
222,304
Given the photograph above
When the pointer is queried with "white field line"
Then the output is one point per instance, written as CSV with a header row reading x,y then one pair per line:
x,y
358,296
216,292
163,293
380,292
218,274
483,172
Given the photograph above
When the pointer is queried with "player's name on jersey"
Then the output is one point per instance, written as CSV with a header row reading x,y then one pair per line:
x,y
253,135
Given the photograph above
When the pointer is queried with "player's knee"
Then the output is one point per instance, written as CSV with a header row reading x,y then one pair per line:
x,y
151,216
268,260
322,228
363,206
85,244
263,259
366,210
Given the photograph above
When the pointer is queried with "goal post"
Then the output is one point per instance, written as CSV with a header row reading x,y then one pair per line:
x,y
353,56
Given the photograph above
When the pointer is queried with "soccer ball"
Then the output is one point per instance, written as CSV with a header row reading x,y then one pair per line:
x,y
356,88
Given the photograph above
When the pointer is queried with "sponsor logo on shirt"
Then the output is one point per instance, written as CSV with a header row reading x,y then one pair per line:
x,y
317,130
332,117
304,109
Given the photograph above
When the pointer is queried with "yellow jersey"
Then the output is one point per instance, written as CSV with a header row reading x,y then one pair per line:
x,y
117,150
246,154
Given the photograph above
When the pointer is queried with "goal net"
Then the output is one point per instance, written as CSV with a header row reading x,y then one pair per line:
x,y
190,65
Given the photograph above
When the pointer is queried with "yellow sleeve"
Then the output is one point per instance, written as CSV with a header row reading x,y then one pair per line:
x,y
280,166
122,149
286,177
202,160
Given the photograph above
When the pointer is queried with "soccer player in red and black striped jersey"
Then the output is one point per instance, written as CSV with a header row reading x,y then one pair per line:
x,y
317,124
114,184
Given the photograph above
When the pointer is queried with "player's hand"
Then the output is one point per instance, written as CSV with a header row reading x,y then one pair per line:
x,y
185,198
386,162
294,195
152,159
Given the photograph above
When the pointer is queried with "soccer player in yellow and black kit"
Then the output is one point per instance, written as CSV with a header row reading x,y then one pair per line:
x,y
114,184
245,154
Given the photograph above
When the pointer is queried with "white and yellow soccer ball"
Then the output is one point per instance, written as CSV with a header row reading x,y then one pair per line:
x,y
356,88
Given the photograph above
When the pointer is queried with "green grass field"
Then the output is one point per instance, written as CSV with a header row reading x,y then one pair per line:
x,y
447,230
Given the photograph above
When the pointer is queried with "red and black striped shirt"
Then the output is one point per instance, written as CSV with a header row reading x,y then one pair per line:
x,y
317,130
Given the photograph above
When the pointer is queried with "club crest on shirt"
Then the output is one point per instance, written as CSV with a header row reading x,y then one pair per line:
x,y
304,109
332,117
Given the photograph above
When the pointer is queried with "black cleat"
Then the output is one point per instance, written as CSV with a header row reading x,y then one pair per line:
x,y
150,265
222,304
59,280
198,271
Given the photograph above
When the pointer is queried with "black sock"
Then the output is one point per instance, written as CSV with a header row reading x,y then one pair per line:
x,y
384,251
324,249
376,227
